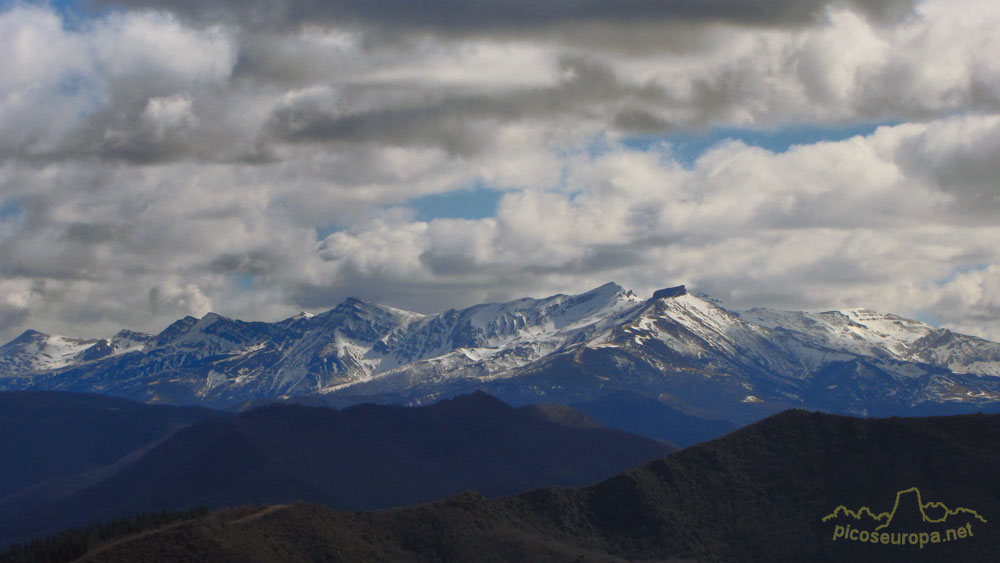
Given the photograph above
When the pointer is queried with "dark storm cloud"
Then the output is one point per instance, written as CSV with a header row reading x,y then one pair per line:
x,y
456,123
259,262
640,120
13,317
443,124
447,263
599,260
470,16
967,169
89,234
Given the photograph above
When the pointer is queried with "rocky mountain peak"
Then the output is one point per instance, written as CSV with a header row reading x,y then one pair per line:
x,y
668,292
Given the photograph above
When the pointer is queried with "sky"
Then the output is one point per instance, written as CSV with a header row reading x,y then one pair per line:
x,y
162,158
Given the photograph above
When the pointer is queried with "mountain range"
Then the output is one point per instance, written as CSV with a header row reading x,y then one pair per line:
x,y
762,493
683,350
74,459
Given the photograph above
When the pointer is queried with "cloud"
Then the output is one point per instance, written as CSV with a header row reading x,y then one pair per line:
x,y
832,224
107,89
485,15
969,302
145,87
257,263
963,158
15,307
179,299
461,125
260,158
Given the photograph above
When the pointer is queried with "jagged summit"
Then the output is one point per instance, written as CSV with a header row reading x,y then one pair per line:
x,y
668,292
608,288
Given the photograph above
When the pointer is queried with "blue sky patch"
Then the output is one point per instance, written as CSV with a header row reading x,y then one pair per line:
x,y
687,146
9,209
475,203
243,281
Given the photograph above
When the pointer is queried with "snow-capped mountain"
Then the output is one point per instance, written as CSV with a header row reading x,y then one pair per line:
x,y
34,351
563,348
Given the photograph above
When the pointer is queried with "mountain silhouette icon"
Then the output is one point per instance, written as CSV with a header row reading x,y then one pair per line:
x,y
908,512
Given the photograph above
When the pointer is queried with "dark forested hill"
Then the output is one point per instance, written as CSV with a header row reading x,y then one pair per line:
x,y
363,457
784,489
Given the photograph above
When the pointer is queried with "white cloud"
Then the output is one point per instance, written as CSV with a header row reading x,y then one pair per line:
x,y
169,112
159,49
831,224
179,298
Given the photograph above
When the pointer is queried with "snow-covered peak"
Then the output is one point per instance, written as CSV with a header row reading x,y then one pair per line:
x,y
713,325
35,351
610,290
697,330
190,338
356,306
588,308
855,331
129,341
887,326
869,333
365,348
685,306
551,314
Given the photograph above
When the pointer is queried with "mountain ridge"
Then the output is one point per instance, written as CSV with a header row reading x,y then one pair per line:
x,y
362,457
851,361
757,494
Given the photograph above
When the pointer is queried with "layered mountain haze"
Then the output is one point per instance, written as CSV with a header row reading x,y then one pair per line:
x,y
676,347
55,444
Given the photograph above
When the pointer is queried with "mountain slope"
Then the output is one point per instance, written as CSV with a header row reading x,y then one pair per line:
x,y
758,494
366,456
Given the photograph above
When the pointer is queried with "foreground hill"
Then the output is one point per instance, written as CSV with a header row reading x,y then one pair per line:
x,y
364,457
725,364
773,491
